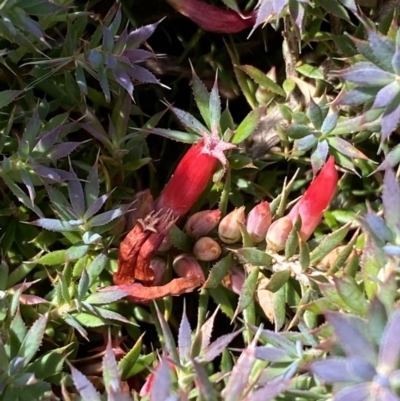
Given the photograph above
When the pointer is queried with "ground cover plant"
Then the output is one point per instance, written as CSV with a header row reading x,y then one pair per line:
x,y
199,200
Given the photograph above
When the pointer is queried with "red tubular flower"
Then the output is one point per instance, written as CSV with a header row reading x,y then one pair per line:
x,y
316,199
134,274
192,175
213,19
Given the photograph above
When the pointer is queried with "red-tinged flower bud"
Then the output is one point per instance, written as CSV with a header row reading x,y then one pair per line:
x,y
206,249
316,199
235,279
202,223
158,266
213,19
193,174
278,233
229,229
186,266
258,222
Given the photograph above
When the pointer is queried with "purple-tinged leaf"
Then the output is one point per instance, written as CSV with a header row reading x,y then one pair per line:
x,y
138,36
367,74
383,48
206,331
111,373
106,297
390,199
356,96
123,79
168,339
215,106
26,179
64,175
278,340
55,225
264,13
106,217
318,157
346,148
76,197
161,388
20,194
332,370
392,250
351,339
377,227
216,347
396,61
201,97
84,386
108,39
47,140
386,95
358,392
95,129
96,206
46,172
389,354
33,339
96,58
386,394
279,5
329,123
137,55
364,370
140,74
63,149
306,143
270,391
27,299
240,375
272,354
92,186
184,338
21,20
203,384
392,159
390,118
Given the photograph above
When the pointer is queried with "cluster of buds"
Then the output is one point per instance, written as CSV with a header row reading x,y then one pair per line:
x,y
142,275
